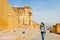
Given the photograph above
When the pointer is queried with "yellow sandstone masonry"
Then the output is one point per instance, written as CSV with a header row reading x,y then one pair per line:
x,y
24,15
58,27
8,18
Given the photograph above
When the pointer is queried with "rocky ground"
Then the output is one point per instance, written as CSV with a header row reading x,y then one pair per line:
x,y
27,33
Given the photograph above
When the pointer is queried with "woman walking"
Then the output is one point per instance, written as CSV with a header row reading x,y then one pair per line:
x,y
42,28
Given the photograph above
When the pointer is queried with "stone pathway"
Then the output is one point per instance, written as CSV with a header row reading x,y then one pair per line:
x,y
25,33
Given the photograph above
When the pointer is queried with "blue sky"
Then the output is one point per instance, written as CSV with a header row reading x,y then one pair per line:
x,y
47,11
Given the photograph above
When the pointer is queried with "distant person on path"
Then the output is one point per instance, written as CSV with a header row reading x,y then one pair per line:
x,y
42,28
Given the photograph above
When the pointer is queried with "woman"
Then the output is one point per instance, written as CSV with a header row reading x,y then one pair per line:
x,y
42,28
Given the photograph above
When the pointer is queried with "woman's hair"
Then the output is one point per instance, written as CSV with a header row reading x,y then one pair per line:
x,y
42,23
